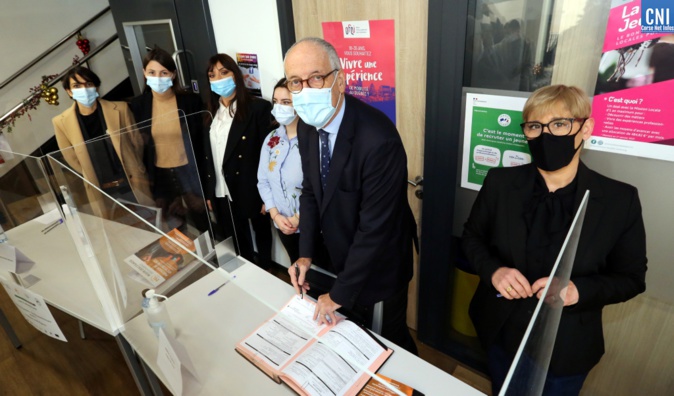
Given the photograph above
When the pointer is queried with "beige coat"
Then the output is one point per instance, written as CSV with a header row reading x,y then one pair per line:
x,y
128,145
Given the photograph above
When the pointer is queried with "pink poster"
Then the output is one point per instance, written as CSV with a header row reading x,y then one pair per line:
x,y
631,106
366,51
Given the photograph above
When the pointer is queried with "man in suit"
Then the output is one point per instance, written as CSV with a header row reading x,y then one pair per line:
x,y
516,229
354,193
113,165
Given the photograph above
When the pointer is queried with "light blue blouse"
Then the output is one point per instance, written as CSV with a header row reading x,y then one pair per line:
x,y
279,174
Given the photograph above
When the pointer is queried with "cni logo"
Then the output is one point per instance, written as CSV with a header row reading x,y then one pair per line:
x,y
349,30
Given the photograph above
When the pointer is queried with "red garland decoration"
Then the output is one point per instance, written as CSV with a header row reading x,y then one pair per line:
x,y
41,91
83,44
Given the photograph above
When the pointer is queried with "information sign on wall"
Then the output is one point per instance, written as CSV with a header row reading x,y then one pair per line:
x,y
492,137
366,51
631,106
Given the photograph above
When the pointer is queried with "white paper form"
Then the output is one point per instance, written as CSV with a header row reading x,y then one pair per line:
x,y
332,365
284,335
33,307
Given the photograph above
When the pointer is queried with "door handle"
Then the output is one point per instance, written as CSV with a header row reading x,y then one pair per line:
x,y
179,66
419,183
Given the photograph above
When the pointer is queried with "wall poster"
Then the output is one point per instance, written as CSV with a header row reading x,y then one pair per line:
x,y
492,137
366,51
251,72
636,75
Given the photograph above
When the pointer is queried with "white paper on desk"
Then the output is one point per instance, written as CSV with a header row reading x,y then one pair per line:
x,y
33,307
13,260
171,356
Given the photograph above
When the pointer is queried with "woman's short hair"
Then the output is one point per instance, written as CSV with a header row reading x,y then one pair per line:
x,y
242,98
86,75
544,99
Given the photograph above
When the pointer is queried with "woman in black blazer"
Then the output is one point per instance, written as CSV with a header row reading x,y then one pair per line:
x,y
517,227
231,155
173,142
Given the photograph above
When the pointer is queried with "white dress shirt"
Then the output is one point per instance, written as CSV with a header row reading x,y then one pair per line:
x,y
218,135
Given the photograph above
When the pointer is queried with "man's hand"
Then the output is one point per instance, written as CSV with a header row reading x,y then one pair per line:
x,y
325,310
511,283
303,263
569,294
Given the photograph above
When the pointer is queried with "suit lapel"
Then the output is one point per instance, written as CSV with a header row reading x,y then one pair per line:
x,y
314,160
71,126
517,228
341,154
235,133
112,123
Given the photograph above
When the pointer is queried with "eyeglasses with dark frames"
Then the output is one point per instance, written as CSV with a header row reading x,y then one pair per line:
x,y
316,81
557,127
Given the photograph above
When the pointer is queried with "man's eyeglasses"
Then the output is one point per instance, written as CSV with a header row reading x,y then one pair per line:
x,y
557,127
316,81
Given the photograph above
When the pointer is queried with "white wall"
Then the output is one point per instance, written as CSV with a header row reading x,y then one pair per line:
x,y
253,29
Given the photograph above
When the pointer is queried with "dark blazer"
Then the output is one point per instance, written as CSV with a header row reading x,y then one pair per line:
x,y
188,104
242,157
364,215
610,263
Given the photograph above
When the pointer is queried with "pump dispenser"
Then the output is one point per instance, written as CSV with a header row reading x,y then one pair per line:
x,y
156,313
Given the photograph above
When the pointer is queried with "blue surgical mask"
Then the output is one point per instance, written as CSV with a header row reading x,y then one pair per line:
x,y
284,114
224,87
159,84
85,96
314,105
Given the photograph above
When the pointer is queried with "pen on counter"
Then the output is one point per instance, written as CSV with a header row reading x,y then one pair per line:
x,y
297,273
212,292
52,226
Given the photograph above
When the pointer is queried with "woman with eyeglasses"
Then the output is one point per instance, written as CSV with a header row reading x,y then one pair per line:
x,y
516,229
232,154
169,120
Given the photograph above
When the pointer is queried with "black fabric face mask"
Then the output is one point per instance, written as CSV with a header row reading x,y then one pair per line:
x,y
550,152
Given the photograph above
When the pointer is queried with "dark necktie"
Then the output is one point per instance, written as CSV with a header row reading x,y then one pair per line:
x,y
325,157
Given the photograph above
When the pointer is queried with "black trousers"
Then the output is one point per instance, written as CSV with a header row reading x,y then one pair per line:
x,y
291,243
233,222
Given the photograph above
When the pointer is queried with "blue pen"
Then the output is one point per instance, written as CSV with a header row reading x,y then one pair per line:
x,y
499,295
52,226
212,292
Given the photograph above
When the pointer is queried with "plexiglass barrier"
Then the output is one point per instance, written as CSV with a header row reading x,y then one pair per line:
x,y
132,227
40,252
529,369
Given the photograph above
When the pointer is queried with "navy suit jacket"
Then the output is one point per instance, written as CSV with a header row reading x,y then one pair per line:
x,y
363,214
609,267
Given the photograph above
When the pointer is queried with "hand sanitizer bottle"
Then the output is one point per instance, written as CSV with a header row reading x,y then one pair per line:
x,y
156,313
